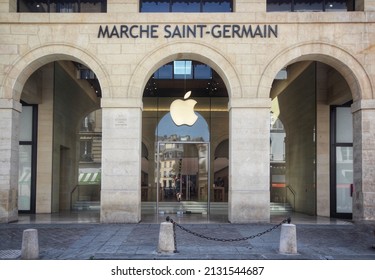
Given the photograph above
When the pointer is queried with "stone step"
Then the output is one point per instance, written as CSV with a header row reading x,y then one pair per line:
x,y
174,207
185,206
86,205
280,207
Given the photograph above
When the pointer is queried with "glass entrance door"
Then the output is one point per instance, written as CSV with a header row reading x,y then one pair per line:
x,y
27,159
183,177
342,187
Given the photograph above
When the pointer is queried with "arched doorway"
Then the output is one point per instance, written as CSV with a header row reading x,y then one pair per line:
x,y
313,173
180,173
55,98
30,81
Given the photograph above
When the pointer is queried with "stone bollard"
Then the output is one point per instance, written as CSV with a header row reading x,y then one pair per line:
x,y
288,239
166,238
30,245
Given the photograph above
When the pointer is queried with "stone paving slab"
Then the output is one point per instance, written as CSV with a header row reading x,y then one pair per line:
x,y
9,254
140,241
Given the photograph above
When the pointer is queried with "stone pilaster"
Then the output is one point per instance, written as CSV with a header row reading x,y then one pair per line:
x,y
369,5
249,149
364,160
9,127
121,161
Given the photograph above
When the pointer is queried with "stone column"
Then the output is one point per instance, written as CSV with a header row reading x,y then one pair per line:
x,y
322,143
9,137
249,161
364,160
121,161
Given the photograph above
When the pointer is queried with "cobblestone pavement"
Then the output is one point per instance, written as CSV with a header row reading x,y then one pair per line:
x,y
139,241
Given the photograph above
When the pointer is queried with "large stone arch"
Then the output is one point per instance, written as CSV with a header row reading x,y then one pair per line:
x,y
345,63
184,50
27,64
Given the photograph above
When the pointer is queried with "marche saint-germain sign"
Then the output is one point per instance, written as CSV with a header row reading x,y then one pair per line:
x,y
188,31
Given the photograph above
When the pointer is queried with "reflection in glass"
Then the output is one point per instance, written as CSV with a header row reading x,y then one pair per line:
x,y
216,6
186,6
164,72
182,173
31,6
184,69
336,5
176,173
24,178
344,125
168,131
344,179
308,5
161,6
62,6
221,173
202,71
93,6
277,159
183,163
279,5
26,123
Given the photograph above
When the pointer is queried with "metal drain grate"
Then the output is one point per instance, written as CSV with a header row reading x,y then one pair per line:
x,y
9,254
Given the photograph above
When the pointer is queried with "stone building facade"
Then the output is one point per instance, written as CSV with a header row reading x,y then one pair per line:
x,y
329,59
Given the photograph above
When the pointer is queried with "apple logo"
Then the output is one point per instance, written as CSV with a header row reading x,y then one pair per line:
x,y
182,111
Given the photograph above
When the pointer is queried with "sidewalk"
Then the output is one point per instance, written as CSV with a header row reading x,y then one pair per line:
x,y
84,241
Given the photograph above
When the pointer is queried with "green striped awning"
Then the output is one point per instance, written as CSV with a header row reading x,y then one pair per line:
x,y
91,178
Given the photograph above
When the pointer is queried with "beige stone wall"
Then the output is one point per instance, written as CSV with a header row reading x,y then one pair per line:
x,y
249,149
369,5
250,59
297,112
45,142
121,167
363,156
247,65
9,124
322,143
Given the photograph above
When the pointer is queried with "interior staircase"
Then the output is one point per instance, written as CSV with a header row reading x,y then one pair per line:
x,y
280,207
191,207
84,205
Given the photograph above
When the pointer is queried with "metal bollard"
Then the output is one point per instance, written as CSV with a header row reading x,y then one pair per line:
x,y
30,245
288,239
166,238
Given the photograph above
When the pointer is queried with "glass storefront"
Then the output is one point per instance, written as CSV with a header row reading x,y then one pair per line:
x,y
24,181
186,6
309,6
185,123
277,160
61,6
342,162
27,145
183,176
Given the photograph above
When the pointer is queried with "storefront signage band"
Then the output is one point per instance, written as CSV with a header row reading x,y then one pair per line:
x,y
188,31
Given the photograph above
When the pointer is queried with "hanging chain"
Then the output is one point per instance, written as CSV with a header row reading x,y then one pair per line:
x,y
287,220
174,238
